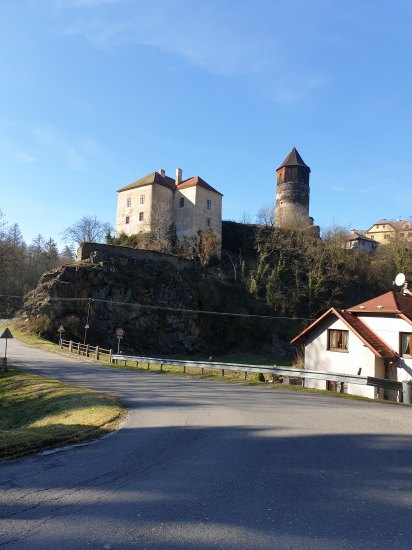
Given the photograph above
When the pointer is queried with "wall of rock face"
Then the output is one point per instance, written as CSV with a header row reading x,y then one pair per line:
x,y
145,298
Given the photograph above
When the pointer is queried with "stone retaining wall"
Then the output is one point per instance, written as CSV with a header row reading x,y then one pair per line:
x,y
130,255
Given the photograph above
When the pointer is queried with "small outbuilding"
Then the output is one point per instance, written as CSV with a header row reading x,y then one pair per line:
x,y
373,338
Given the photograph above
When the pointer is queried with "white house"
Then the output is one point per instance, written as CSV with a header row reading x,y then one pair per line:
x,y
192,205
373,339
358,240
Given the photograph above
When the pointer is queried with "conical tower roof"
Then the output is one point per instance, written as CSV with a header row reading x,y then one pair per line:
x,y
293,159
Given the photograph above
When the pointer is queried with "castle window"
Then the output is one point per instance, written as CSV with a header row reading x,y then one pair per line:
x,y
406,344
338,340
129,202
209,204
208,222
127,219
181,202
141,199
141,216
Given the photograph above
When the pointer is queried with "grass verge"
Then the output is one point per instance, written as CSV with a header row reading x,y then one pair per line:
x,y
42,413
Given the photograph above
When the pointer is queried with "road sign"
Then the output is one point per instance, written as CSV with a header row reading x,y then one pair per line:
x,y
60,329
6,334
119,333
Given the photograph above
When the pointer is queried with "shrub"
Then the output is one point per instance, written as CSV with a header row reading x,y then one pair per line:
x,y
259,377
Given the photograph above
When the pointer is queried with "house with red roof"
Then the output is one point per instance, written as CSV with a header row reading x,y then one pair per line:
x,y
191,205
373,338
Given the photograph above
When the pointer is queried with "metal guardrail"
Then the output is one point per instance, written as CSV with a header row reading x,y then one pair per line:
x,y
285,371
85,349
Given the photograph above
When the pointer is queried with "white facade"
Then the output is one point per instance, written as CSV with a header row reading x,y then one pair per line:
x,y
358,357
390,329
192,205
370,338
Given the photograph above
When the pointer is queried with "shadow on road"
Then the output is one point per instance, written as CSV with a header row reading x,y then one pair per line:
x,y
215,487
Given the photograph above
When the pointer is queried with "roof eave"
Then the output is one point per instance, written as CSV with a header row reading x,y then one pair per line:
x,y
335,312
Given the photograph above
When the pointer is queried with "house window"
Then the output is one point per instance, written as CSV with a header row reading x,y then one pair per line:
x,y
208,222
129,202
181,202
209,204
338,340
127,219
406,344
141,216
387,236
141,199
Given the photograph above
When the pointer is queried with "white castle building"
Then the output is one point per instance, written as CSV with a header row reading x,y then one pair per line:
x,y
192,205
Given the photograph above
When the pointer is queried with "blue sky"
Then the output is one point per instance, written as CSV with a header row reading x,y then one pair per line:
x,y
95,94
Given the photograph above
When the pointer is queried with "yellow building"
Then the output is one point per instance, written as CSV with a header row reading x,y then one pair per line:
x,y
384,231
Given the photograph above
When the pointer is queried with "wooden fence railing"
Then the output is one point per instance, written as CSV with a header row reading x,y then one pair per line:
x,y
86,350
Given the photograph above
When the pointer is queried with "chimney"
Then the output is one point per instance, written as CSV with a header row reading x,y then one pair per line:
x,y
178,176
162,173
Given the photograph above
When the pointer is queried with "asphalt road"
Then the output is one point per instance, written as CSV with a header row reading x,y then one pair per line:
x,y
200,464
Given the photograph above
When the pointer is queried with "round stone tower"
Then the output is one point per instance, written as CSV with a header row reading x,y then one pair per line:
x,y
292,192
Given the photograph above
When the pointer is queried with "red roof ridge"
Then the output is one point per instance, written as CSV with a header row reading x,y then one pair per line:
x,y
196,180
362,331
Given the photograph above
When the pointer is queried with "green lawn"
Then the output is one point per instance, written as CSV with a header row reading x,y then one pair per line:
x,y
40,413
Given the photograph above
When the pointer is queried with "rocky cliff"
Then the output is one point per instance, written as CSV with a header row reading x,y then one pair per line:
x,y
145,296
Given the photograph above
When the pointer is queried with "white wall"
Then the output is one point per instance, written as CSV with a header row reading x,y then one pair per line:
x,y
318,357
185,217
134,226
389,329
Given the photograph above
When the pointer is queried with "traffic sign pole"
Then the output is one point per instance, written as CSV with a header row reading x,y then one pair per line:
x,y
119,335
6,335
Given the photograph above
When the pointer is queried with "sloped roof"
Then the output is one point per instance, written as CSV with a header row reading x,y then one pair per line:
x,y
150,179
293,159
391,302
196,180
391,223
362,331
355,235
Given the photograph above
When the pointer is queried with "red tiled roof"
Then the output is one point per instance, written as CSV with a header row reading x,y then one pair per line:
x,y
390,302
362,331
196,180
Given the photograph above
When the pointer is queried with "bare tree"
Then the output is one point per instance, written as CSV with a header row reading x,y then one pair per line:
x,y
88,229
161,229
266,215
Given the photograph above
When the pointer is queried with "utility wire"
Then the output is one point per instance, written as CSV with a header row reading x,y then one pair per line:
x,y
174,309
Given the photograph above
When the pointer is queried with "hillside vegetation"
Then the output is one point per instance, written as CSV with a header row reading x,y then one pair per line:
x,y
273,281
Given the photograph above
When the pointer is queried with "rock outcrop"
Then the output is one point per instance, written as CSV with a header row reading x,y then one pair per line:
x,y
145,296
